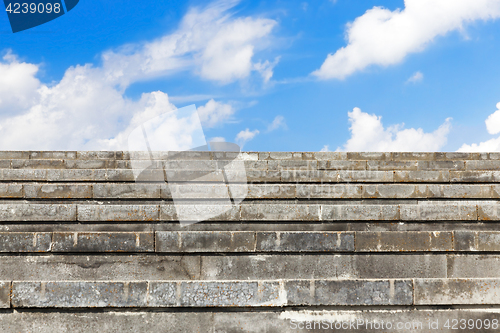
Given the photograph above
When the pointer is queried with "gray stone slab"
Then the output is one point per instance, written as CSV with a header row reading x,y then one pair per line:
x,y
202,241
231,294
106,322
57,191
473,266
441,165
268,191
23,175
439,212
52,155
259,176
488,212
214,211
456,191
473,176
394,191
477,241
78,294
5,287
127,191
482,165
391,165
359,212
103,242
25,241
11,190
199,191
412,156
404,241
349,292
279,212
322,266
302,241
37,212
118,213
99,267
457,291
402,176
8,155
329,191
93,155
69,175
38,164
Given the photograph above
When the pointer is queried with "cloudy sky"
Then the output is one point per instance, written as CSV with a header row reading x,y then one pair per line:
x,y
357,75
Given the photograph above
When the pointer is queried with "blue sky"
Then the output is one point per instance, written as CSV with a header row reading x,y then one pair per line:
x,y
415,75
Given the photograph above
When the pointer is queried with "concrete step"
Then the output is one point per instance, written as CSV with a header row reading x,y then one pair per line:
x,y
31,190
247,211
250,241
248,293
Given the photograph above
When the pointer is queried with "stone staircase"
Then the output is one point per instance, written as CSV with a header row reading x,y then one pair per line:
x,y
344,242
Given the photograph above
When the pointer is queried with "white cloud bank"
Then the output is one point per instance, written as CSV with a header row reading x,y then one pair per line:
x,y
493,127
383,37
369,134
87,108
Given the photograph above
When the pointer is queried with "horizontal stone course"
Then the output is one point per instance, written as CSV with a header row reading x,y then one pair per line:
x,y
225,211
251,241
220,190
275,293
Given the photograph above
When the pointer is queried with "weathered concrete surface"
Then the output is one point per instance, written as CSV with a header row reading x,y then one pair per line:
x,y
404,241
5,294
117,267
457,291
287,321
103,242
25,242
118,213
78,294
37,212
304,241
350,292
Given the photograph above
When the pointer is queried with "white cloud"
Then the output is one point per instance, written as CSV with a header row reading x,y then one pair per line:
x,y
245,136
18,84
87,108
325,149
266,68
383,37
209,42
214,113
493,121
279,121
417,77
493,127
369,134
217,139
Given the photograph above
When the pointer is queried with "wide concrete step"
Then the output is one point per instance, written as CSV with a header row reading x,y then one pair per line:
x,y
249,175
288,321
179,191
249,241
248,293
275,211
270,165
